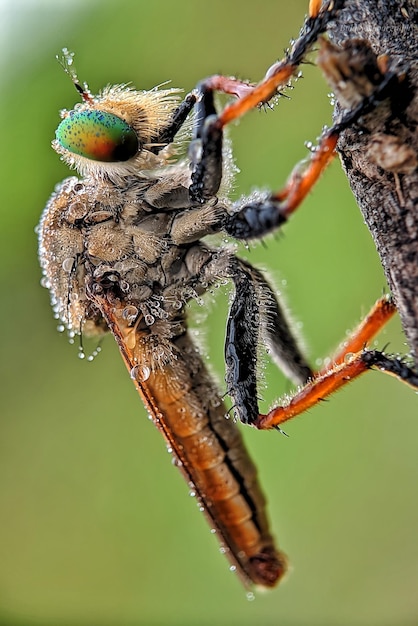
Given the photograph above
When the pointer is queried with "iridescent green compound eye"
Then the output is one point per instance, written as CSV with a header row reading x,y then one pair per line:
x,y
97,135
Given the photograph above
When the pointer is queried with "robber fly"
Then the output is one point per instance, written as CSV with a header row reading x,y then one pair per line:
x,y
124,248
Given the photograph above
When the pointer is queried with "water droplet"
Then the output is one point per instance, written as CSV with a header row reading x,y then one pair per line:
x,y
68,264
130,313
141,373
326,363
348,357
250,596
149,319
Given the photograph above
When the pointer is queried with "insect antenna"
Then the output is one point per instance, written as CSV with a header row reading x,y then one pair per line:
x,y
67,64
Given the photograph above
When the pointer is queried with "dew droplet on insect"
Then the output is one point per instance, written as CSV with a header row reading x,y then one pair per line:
x,y
141,373
149,319
68,264
326,362
130,313
348,357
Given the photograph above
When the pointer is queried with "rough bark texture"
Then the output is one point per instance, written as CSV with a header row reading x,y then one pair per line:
x,y
380,158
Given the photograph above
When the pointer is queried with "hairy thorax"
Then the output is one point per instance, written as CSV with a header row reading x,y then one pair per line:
x,y
140,237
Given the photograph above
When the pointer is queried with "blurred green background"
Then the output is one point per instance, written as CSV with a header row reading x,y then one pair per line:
x,y
96,526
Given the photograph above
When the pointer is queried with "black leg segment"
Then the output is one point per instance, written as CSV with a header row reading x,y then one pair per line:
x,y
256,318
206,148
168,133
255,220
241,345
277,335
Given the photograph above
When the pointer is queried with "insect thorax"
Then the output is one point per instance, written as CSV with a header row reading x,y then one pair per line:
x,y
123,238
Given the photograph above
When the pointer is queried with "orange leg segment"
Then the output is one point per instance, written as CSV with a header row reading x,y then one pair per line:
x,y
301,182
276,78
279,74
349,362
382,311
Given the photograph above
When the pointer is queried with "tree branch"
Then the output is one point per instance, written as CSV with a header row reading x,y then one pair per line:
x,y
380,155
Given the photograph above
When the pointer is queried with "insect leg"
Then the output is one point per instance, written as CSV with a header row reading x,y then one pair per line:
x,y
241,346
278,75
255,314
258,218
206,152
178,118
351,361
277,335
